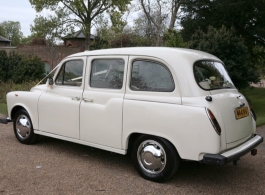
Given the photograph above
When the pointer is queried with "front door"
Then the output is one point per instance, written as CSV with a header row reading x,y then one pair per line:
x,y
102,103
59,107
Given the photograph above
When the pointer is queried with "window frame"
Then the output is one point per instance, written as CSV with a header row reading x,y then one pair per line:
x,y
63,67
156,62
107,88
210,60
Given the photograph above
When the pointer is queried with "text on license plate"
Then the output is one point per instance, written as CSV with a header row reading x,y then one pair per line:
x,y
241,112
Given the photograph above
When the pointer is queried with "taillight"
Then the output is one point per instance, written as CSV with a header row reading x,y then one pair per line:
x,y
253,114
213,120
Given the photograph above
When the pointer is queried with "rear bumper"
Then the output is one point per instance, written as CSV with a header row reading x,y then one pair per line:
x,y
233,154
5,120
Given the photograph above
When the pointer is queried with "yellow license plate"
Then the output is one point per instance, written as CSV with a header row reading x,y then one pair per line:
x,y
241,112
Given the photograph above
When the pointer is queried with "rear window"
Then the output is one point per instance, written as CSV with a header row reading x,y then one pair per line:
x,y
211,75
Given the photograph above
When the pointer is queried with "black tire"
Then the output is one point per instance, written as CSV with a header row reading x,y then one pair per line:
x,y
155,158
23,128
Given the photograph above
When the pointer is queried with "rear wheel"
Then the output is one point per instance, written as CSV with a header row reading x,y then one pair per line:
x,y
23,128
155,158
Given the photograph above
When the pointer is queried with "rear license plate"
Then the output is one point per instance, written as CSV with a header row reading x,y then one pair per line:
x,y
241,112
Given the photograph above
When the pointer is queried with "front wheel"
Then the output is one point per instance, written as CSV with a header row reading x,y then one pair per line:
x,y
23,128
155,158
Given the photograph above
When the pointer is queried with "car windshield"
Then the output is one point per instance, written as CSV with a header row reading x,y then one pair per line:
x,y
211,75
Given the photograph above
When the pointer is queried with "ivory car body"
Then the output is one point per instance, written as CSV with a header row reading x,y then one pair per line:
x,y
162,105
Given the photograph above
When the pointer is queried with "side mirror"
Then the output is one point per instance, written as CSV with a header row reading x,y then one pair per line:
x,y
51,82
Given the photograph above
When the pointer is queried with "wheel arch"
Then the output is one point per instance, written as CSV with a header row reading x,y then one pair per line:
x,y
154,157
134,136
15,109
24,100
19,107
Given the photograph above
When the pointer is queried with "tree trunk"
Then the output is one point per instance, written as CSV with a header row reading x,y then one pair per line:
x,y
87,36
175,7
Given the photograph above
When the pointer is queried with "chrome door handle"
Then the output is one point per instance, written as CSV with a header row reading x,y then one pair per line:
x,y
87,100
75,98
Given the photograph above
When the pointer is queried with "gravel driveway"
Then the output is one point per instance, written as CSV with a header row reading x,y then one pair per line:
x,y
58,167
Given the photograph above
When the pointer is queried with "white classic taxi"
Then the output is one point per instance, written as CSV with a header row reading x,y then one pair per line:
x,y
161,105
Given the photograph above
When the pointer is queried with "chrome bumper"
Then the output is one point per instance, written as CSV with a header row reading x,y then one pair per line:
x,y
5,120
233,154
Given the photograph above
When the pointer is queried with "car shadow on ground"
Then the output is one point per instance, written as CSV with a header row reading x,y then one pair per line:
x,y
189,171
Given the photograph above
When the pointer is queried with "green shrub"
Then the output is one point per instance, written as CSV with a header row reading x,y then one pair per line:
x,y
19,69
3,65
173,38
11,86
230,48
29,69
13,61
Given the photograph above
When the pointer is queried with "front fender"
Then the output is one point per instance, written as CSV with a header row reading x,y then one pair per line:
x,y
28,101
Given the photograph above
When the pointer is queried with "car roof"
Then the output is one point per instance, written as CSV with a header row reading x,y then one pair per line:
x,y
159,52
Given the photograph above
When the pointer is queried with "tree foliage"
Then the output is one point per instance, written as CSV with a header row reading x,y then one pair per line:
x,y
230,48
260,61
156,17
247,18
155,14
106,38
173,38
12,64
19,69
79,13
12,31
1,31
49,28
3,65
30,68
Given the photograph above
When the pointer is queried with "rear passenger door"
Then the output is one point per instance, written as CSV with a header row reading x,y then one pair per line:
x,y
152,100
102,103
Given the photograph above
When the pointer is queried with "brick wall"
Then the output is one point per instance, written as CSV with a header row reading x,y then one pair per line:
x,y
75,42
51,55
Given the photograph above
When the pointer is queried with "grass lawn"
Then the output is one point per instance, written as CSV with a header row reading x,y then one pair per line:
x,y
3,109
257,98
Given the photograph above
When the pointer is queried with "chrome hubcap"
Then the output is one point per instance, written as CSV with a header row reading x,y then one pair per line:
x,y
151,156
23,126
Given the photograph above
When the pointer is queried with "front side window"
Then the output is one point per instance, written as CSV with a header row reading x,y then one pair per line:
x,y
211,75
71,73
151,76
107,73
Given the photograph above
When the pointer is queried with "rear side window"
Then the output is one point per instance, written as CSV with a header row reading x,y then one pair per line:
x,y
107,73
71,73
211,75
151,76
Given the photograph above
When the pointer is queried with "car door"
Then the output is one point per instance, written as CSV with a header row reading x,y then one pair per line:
x,y
59,106
102,103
